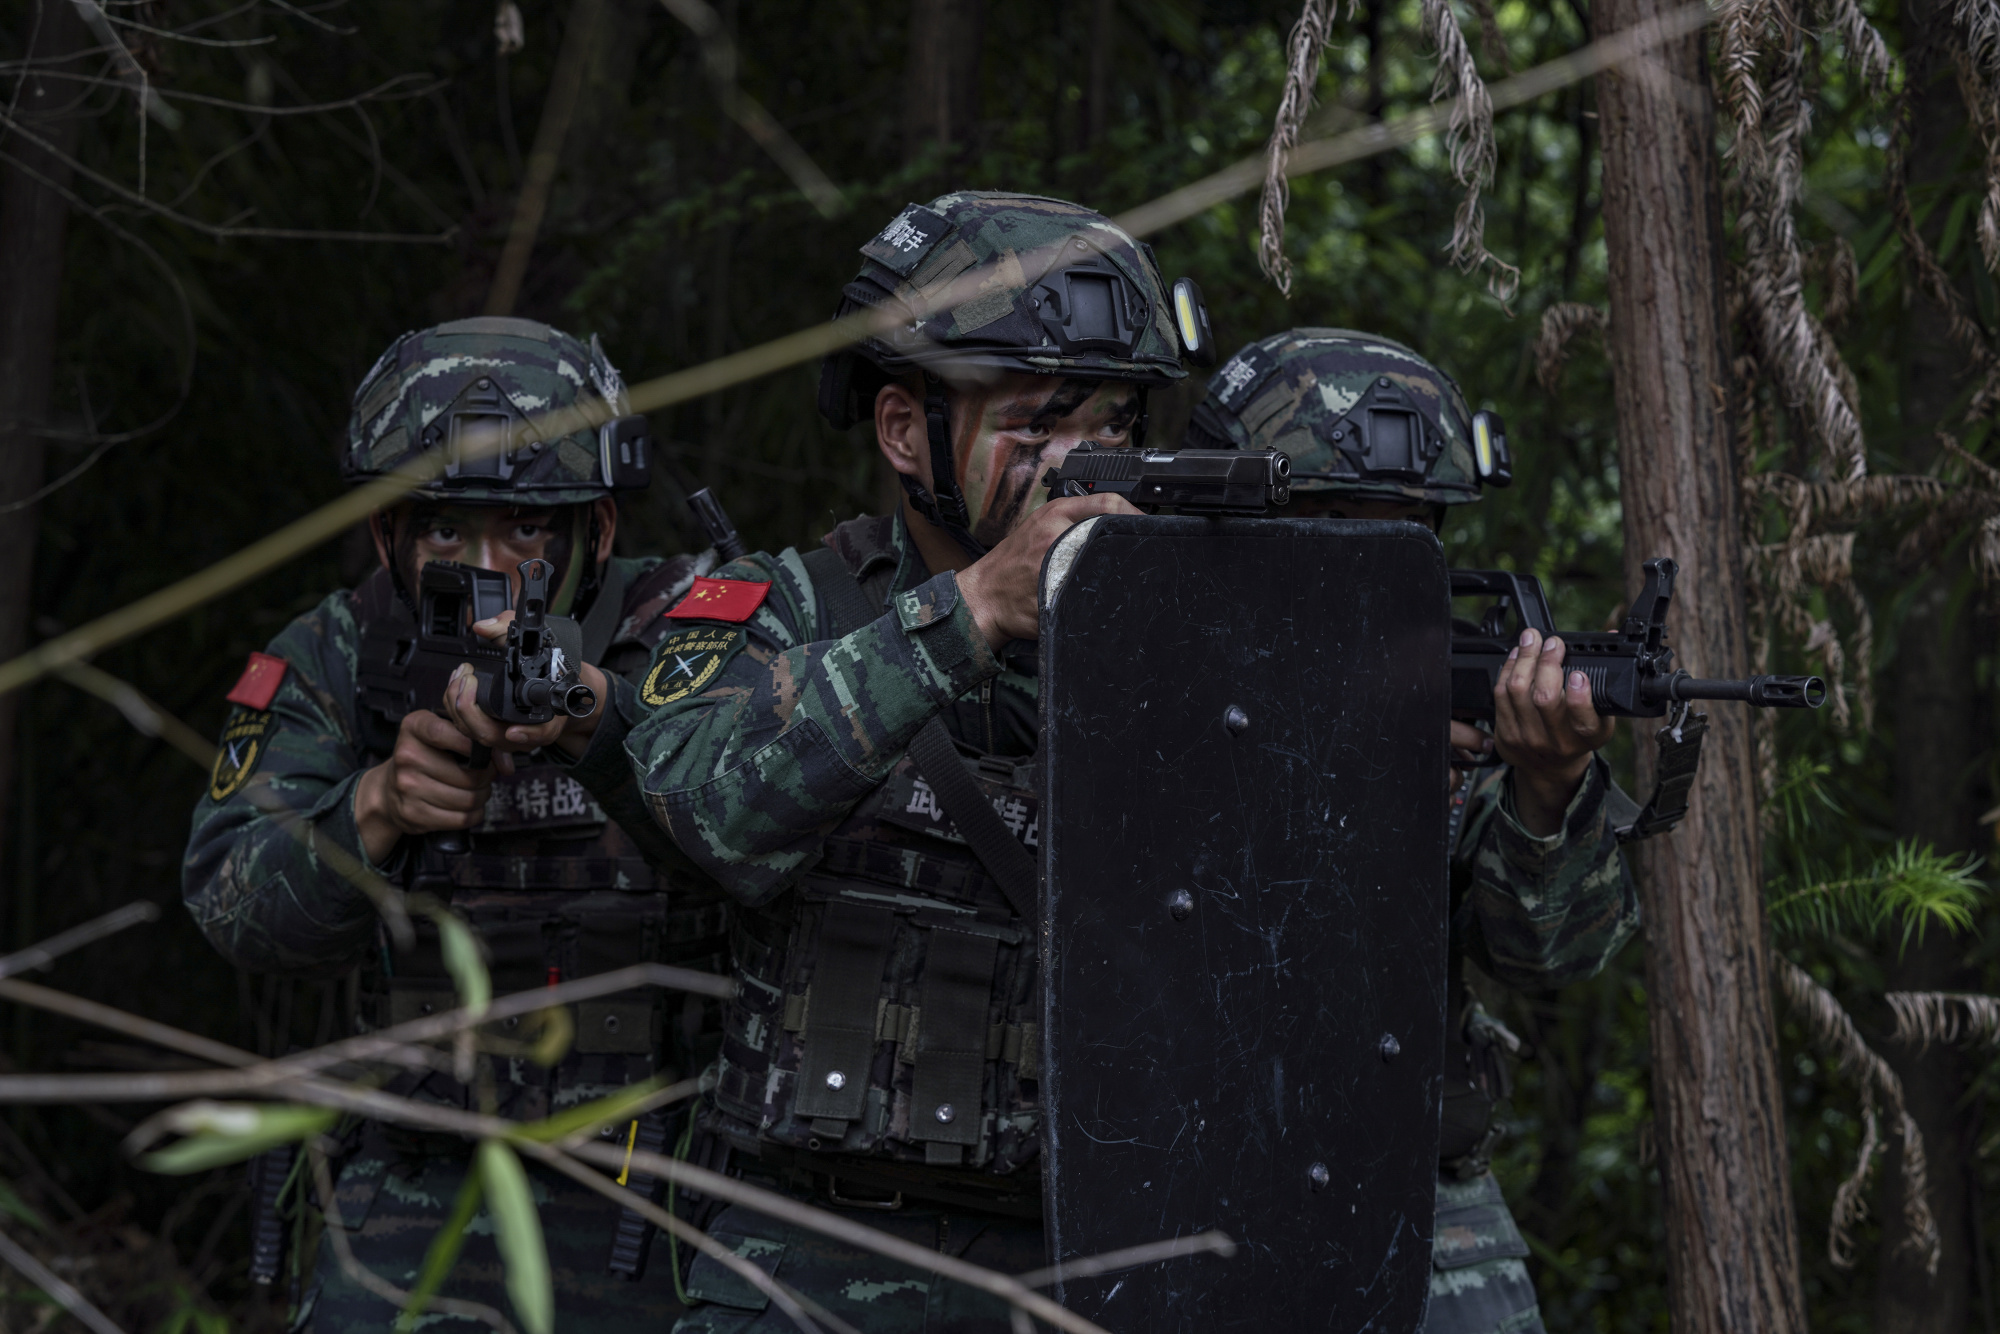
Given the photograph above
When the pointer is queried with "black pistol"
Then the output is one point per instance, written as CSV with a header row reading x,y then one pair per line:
x,y
1631,670
1217,482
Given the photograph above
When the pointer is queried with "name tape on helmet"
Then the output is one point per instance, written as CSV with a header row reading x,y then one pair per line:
x,y
902,245
1241,376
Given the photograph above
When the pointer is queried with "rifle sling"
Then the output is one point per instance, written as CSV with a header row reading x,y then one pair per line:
x,y
600,623
846,607
1673,780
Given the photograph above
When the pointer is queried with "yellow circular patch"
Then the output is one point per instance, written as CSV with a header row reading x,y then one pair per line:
x,y
687,662
236,758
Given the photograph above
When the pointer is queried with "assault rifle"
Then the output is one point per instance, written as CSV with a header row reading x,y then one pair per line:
x,y
1192,481
1631,670
527,678
1631,673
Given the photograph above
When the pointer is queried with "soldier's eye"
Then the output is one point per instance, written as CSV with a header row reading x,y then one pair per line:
x,y
445,535
528,532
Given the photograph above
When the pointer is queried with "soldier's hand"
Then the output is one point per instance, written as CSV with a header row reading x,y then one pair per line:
x,y
1546,728
421,788
461,701
1470,744
1003,588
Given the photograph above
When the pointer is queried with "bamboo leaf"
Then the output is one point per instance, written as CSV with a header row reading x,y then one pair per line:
x,y
442,1253
218,1134
464,961
590,1115
518,1229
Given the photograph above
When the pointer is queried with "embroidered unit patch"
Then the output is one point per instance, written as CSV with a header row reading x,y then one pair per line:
x,y
242,746
687,662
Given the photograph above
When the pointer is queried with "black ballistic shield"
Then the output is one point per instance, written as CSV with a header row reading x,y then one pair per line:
x,y
1244,900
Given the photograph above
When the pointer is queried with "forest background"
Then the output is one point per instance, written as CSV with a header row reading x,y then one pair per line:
x,y
204,328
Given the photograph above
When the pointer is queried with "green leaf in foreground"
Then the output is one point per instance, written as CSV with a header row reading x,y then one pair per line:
x,y
587,1117
220,1133
518,1228
463,961
443,1253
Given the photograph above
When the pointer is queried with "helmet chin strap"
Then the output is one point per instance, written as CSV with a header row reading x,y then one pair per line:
x,y
947,509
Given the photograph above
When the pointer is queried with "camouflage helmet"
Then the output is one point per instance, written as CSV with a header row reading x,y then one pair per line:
x,y
1043,286
560,403
1055,288
1359,414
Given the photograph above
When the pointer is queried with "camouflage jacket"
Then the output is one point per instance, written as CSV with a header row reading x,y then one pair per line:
x,y
767,738
265,882
789,731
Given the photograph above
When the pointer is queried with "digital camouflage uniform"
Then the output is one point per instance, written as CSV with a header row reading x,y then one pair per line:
x,y
884,1047
1361,415
553,886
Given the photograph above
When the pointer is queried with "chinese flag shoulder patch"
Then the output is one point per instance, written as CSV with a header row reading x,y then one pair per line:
x,y
720,600
258,685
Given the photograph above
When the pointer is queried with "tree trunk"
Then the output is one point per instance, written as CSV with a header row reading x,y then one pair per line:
x,y
1731,1241
32,217
942,88
1935,751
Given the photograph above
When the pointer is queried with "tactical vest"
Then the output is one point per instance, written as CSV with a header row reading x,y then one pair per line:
x,y
554,889
888,1004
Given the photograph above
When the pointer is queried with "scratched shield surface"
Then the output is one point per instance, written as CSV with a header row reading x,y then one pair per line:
x,y
1244,898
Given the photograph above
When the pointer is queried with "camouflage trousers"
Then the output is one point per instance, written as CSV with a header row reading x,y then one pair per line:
x,y
393,1206
1478,1283
864,1289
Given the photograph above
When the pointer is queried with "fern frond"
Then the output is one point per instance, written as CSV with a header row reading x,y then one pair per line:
x,y
1911,889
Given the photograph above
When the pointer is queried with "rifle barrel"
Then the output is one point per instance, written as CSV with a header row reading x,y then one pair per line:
x,y
1768,692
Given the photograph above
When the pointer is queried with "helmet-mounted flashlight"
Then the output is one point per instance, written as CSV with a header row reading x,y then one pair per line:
x,y
1191,319
1489,447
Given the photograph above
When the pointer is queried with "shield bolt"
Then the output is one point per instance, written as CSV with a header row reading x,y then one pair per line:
x,y
1235,719
1389,1047
1180,903
836,1080
945,1113
1318,1175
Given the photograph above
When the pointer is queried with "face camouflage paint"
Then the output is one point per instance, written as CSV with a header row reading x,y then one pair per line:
x,y
1006,437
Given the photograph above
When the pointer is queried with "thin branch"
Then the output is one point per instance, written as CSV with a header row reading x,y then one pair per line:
x,y
64,1295
1132,1257
718,58
219,231
143,713
98,928
565,88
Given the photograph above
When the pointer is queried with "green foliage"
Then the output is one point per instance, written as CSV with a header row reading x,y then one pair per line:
x,y
217,1133
518,1230
1911,888
442,1253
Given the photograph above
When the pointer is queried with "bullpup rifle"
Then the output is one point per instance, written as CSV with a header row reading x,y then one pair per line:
x,y
526,679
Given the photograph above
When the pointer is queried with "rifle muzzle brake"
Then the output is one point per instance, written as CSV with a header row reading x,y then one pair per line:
x,y
1764,692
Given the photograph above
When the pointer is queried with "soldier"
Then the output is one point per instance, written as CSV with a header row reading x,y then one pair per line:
x,y
812,730
518,847
1540,893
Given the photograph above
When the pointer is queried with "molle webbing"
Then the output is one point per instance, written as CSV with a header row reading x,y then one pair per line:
x,y
839,1045
950,1083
